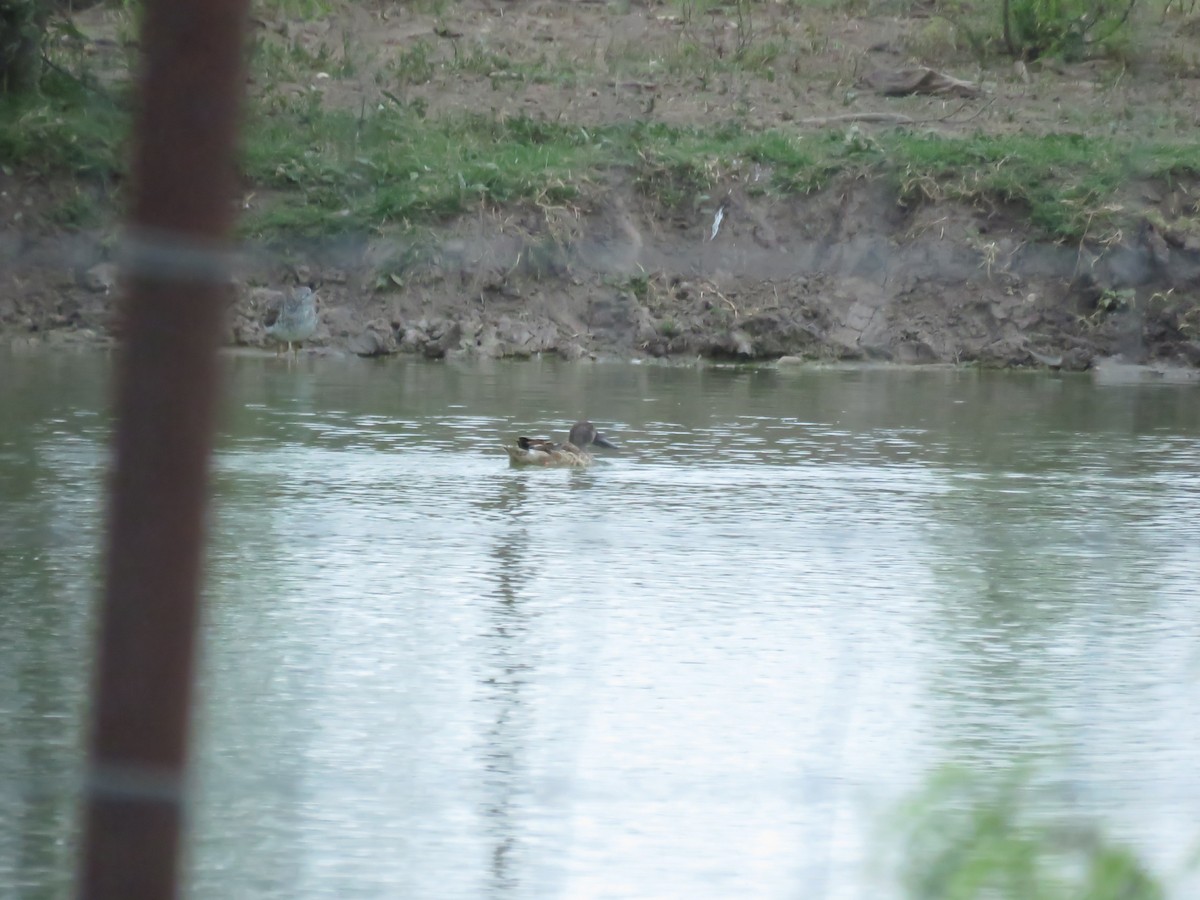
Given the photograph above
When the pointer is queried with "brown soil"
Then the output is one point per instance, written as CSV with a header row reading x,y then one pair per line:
x,y
849,273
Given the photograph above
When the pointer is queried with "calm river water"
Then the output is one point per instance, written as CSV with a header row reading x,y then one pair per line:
x,y
707,667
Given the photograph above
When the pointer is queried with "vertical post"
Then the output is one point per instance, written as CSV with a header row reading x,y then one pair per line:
x,y
176,276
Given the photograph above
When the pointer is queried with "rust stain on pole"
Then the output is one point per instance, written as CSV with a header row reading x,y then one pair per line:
x,y
191,82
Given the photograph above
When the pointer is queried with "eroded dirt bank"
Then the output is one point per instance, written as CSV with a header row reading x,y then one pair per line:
x,y
848,274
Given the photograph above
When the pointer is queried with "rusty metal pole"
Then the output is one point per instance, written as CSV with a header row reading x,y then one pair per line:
x,y
176,275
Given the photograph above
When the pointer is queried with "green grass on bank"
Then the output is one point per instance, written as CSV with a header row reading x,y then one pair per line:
x,y
67,131
325,172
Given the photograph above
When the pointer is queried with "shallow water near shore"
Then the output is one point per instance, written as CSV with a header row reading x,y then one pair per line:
x,y
708,666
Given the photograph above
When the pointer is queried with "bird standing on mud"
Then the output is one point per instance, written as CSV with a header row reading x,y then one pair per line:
x,y
295,319
544,452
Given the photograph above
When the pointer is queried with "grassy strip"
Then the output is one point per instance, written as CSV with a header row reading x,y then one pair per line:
x,y
393,168
334,171
1070,185
339,172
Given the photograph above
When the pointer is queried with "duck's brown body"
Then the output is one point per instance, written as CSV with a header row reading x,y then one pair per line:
x,y
570,453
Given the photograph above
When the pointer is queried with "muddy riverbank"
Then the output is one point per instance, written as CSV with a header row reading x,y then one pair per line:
x,y
847,274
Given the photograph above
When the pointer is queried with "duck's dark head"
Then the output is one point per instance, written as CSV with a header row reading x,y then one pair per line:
x,y
585,433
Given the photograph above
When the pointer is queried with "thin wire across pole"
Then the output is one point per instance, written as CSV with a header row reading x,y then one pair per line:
x,y
176,276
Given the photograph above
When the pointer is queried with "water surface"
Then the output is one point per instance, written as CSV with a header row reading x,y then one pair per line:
x,y
706,667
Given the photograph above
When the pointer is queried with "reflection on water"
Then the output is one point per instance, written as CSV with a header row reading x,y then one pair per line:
x,y
704,667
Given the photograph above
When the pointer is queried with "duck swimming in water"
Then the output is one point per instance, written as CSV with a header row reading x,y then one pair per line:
x,y
544,452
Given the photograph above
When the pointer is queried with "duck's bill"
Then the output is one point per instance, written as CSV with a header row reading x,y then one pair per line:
x,y
601,441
